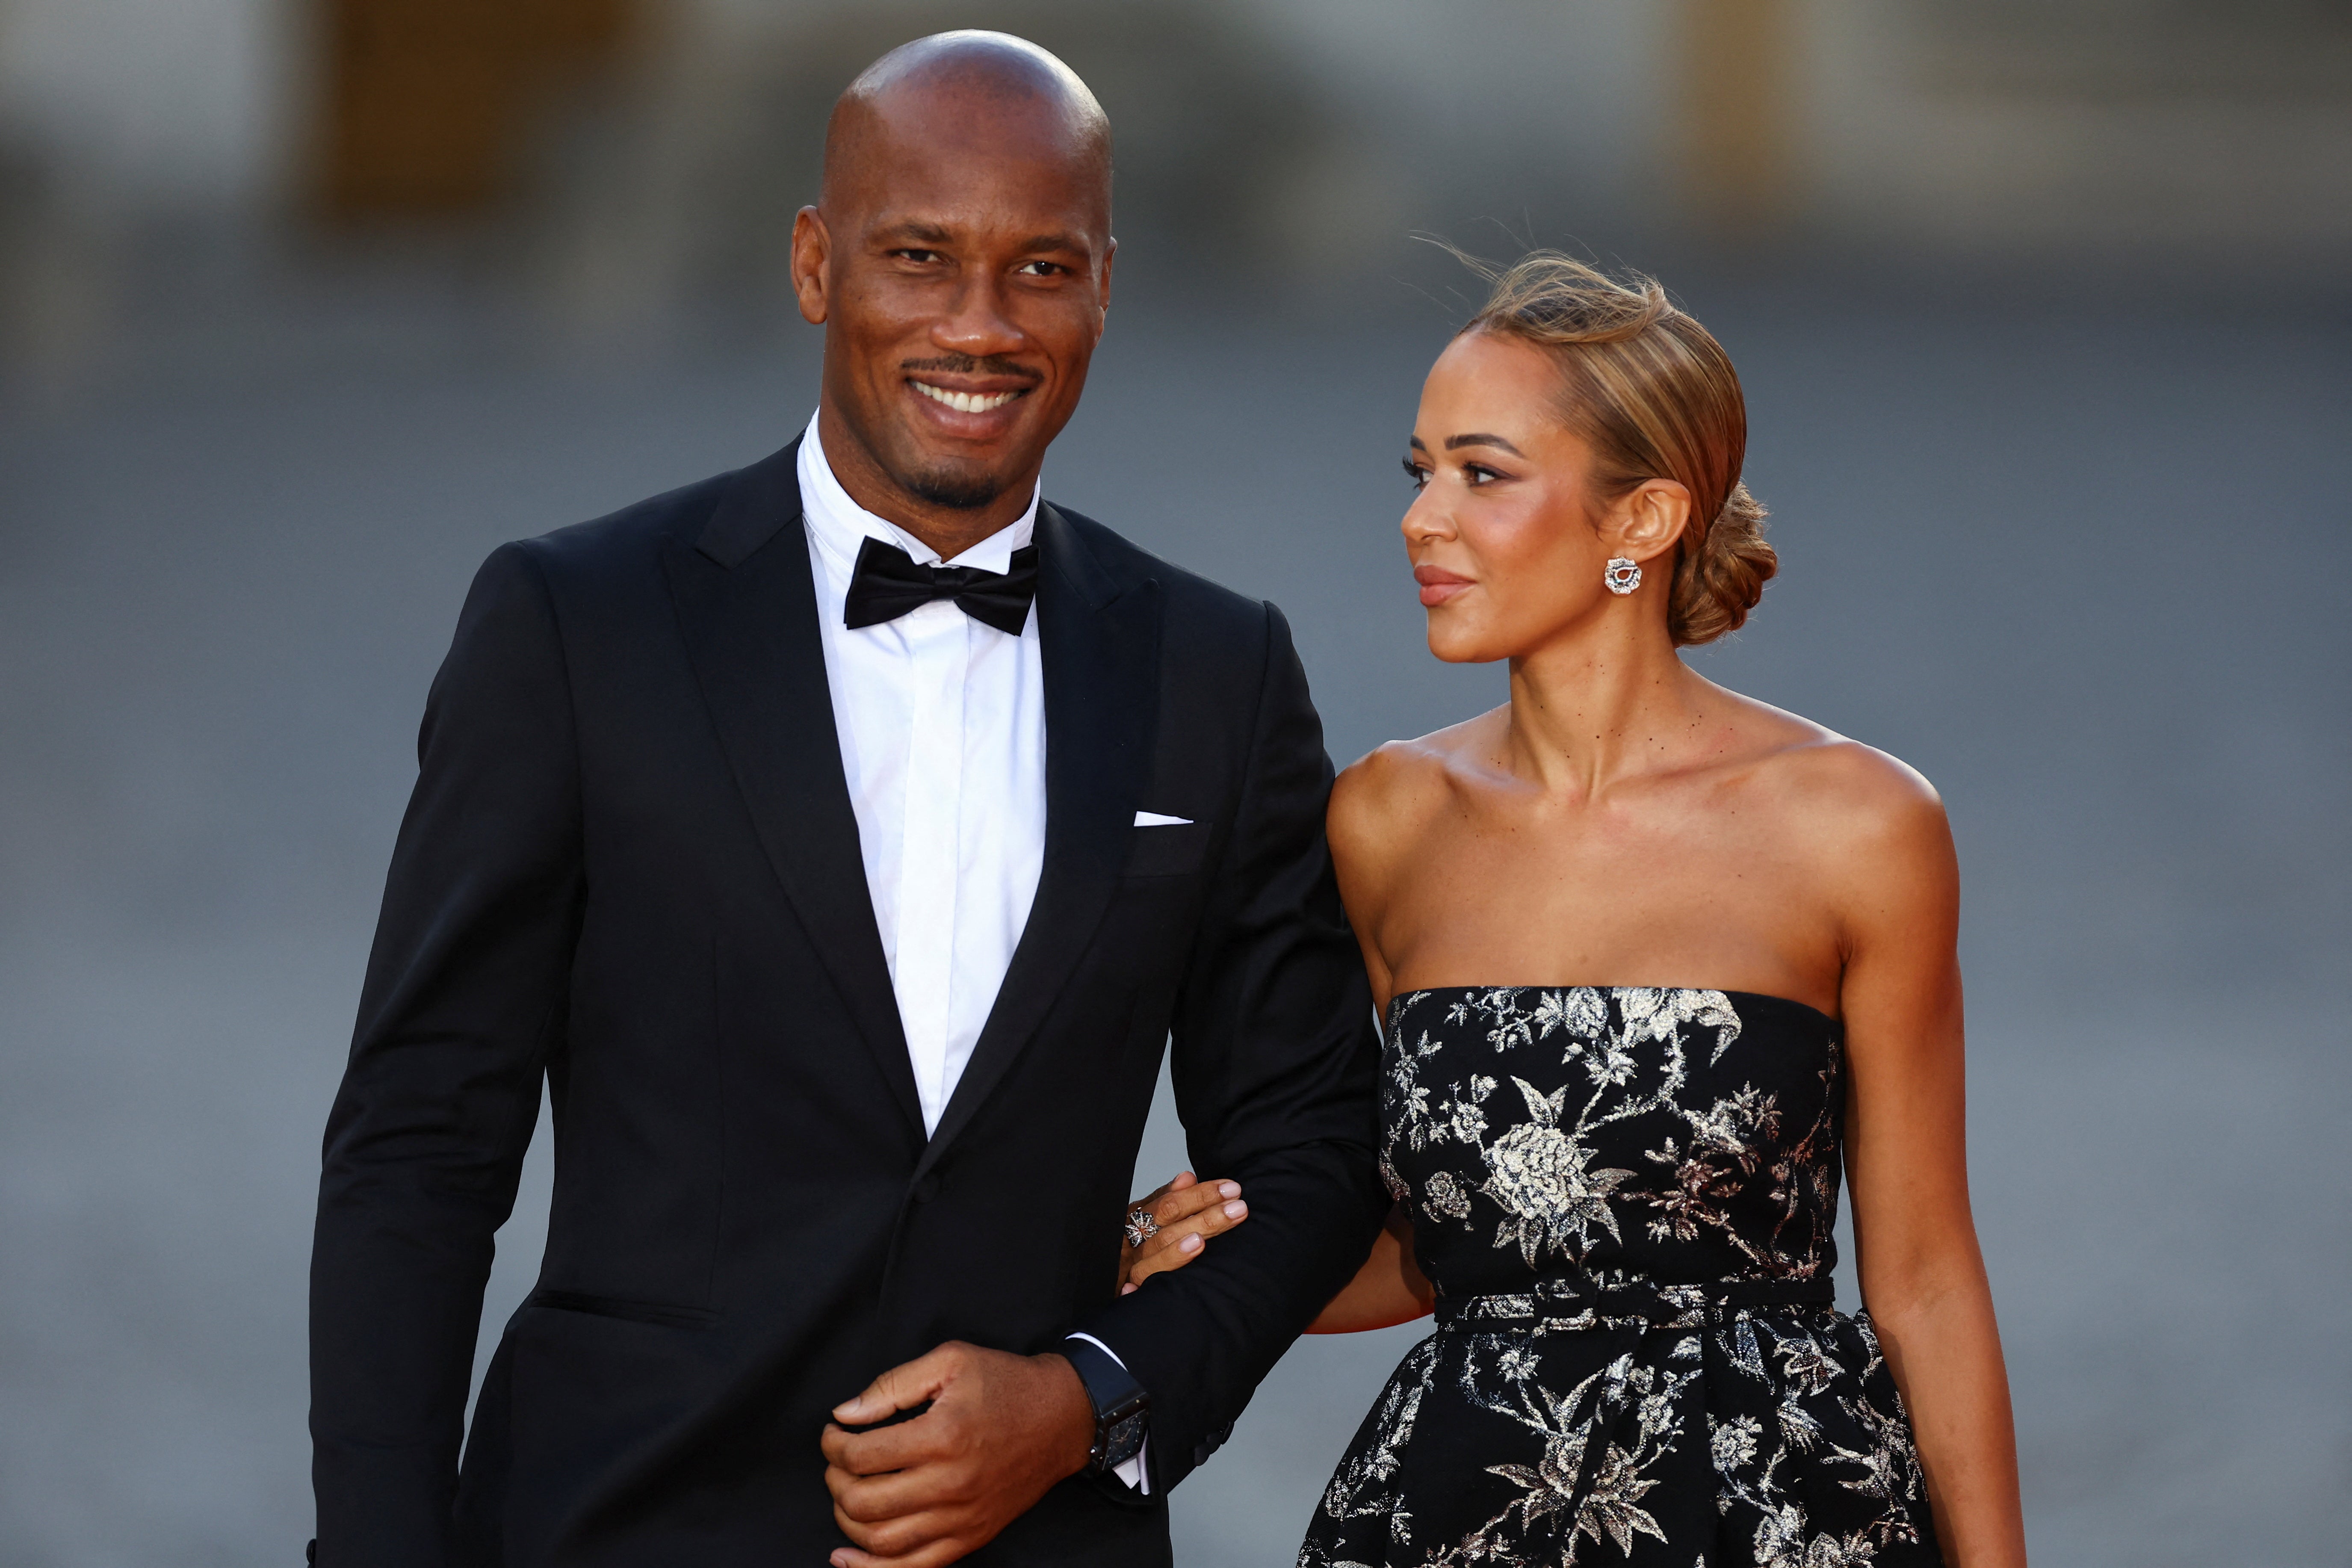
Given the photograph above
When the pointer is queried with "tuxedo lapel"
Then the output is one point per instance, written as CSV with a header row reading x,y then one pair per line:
x,y
1100,643
747,604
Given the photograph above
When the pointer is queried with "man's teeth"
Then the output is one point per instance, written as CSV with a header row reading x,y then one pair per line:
x,y
966,401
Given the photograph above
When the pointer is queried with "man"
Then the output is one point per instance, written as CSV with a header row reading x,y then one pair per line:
x,y
846,902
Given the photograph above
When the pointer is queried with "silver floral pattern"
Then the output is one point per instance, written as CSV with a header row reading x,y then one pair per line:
x,y
1626,1199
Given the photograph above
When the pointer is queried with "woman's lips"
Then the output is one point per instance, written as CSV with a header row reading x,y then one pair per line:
x,y
1438,584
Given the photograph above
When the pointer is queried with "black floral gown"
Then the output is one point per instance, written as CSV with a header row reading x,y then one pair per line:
x,y
1625,1199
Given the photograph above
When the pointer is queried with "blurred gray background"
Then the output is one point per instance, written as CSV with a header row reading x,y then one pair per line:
x,y
2044,318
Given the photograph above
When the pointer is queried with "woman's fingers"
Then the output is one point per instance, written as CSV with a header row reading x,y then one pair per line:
x,y
1181,1179
1173,1204
1187,1220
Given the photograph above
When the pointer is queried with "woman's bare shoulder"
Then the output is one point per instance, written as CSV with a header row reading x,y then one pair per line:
x,y
1382,796
1855,803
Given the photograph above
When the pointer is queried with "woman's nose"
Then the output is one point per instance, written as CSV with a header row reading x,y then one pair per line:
x,y
1422,520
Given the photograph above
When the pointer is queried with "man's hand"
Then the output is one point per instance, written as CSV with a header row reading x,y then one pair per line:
x,y
1002,1429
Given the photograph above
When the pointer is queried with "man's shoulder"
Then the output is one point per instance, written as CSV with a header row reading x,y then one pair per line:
x,y
633,537
1194,606
728,515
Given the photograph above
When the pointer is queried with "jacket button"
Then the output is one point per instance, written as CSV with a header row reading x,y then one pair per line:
x,y
927,1189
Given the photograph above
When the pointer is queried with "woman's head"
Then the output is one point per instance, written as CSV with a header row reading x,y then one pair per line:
x,y
1573,421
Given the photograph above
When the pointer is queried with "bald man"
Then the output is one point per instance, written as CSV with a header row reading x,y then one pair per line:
x,y
841,840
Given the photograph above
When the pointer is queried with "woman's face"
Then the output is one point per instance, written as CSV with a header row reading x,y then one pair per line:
x,y
1501,533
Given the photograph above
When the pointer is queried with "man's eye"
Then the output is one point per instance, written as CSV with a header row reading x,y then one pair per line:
x,y
1417,474
917,255
1042,269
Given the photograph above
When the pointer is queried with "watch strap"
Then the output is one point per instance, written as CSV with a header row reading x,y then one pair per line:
x,y
1121,1405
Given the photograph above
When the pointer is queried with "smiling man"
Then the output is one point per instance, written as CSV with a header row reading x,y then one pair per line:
x,y
841,841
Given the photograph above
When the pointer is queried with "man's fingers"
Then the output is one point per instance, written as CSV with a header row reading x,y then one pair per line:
x,y
896,1541
901,1388
874,1497
938,1555
887,1448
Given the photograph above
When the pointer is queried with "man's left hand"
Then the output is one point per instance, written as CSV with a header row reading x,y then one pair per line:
x,y
1002,1429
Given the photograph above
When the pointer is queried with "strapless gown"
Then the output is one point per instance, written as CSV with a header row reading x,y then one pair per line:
x,y
1626,1200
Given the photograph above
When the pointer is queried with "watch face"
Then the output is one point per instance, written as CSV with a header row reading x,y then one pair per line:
x,y
1123,1441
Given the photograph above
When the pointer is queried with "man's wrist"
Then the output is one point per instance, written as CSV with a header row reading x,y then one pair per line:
x,y
1121,1406
1074,1422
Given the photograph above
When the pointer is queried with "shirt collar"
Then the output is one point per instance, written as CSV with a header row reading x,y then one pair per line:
x,y
839,524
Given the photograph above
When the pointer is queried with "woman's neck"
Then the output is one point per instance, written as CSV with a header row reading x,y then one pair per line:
x,y
1603,704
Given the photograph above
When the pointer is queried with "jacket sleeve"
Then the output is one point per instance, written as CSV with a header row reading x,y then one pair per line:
x,y
463,1004
1275,1067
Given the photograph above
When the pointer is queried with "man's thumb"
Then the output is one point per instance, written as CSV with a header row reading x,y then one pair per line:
x,y
901,1388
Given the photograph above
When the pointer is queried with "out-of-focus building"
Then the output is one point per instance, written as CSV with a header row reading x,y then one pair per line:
x,y
654,150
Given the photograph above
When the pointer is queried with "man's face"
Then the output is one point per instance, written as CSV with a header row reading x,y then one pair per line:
x,y
960,264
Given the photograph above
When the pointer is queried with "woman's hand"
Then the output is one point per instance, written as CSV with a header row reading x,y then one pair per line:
x,y
1187,1211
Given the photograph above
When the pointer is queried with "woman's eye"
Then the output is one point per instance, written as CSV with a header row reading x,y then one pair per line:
x,y
1477,474
1417,474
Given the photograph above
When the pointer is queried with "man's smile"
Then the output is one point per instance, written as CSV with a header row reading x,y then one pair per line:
x,y
967,402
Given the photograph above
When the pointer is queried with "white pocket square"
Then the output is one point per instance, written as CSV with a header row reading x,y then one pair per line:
x,y
1153,819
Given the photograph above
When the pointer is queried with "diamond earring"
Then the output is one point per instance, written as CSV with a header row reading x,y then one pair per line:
x,y
1622,576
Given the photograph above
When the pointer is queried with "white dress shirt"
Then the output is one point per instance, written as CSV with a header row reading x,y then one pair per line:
x,y
942,729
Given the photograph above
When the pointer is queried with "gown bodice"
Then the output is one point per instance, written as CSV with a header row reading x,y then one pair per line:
x,y
1670,1137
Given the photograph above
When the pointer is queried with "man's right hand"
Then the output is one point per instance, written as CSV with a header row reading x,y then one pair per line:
x,y
1188,1212
1002,1429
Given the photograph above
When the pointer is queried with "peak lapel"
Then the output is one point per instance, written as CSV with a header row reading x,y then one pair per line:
x,y
1100,644
746,601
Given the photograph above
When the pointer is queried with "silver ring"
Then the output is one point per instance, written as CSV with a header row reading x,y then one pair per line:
x,y
1140,1226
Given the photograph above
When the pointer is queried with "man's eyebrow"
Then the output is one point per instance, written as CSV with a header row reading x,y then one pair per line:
x,y
1482,441
1053,242
916,229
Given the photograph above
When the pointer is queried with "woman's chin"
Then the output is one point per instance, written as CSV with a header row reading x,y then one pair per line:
x,y
1451,644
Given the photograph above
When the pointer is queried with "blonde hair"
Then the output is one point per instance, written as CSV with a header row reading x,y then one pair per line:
x,y
1655,395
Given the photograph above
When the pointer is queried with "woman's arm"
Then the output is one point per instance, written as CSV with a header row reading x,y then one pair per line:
x,y
1387,1290
1923,1278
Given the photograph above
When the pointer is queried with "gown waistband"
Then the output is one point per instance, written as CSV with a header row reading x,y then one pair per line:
x,y
1577,1304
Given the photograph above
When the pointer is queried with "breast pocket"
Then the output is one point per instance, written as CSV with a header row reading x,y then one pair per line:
x,y
1171,849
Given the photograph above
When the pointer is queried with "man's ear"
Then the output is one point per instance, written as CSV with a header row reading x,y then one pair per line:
x,y
1650,518
812,249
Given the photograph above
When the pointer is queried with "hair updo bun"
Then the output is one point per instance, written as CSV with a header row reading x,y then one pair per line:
x,y
1655,397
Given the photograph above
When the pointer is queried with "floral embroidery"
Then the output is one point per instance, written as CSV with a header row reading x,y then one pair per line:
x,y
1600,1172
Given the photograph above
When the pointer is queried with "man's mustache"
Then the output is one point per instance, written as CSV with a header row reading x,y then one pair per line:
x,y
968,364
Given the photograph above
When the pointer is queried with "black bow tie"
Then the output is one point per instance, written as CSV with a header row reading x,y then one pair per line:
x,y
887,583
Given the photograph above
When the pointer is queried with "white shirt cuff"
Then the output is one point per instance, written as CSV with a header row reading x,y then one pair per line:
x,y
1136,1473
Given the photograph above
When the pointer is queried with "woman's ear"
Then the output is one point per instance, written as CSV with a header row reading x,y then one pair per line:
x,y
1648,519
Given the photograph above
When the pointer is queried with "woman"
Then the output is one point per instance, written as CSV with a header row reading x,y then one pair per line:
x,y
1655,961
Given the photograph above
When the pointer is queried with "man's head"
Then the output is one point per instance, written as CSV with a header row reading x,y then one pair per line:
x,y
960,258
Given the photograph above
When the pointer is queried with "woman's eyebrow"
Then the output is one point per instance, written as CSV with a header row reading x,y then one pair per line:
x,y
1482,441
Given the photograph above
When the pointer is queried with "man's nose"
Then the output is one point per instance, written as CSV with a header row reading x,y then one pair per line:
x,y
977,323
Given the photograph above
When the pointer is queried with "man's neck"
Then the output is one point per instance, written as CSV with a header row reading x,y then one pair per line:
x,y
949,530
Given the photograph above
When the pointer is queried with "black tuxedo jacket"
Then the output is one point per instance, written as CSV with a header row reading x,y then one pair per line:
x,y
631,866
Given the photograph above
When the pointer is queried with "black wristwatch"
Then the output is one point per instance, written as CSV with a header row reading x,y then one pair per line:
x,y
1122,1409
